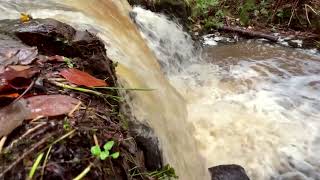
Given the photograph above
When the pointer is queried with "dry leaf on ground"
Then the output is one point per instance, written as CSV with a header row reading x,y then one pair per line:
x,y
81,78
12,116
50,105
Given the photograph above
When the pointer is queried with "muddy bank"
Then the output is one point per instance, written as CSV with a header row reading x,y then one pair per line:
x,y
60,105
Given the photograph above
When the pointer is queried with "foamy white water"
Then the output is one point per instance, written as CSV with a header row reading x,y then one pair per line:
x,y
252,104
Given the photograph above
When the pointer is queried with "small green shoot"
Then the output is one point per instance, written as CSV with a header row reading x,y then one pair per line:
x,y
103,155
66,124
167,172
35,166
68,62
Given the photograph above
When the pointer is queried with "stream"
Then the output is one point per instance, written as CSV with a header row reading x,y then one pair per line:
x,y
249,103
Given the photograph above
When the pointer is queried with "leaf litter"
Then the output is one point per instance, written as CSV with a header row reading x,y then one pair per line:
x,y
27,93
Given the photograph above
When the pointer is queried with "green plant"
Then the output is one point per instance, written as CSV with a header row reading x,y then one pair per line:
x,y
103,155
248,6
167,172
35,166
68,62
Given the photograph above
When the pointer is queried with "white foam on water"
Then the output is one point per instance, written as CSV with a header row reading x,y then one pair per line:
x,y
261,111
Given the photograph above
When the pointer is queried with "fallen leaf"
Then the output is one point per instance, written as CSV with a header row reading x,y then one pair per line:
x,y
78,77
50,105
12,116
56,58
16,77
24,17
14,52
19,67
12,95
6,99
19,72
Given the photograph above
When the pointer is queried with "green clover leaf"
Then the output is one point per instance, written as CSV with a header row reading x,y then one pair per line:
x,y
115,155
108,145
95,150
104,155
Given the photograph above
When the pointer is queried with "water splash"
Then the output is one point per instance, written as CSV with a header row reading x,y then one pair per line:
x,y
251,103
163,109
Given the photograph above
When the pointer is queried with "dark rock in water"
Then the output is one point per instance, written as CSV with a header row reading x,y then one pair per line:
x,y
56,38
149,144
228,172
178,8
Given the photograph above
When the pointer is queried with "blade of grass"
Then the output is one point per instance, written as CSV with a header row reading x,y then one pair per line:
x,y
128,89
35,166
83,173
45,162
84,90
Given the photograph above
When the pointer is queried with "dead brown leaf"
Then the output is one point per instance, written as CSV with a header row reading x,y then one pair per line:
x,y
12,116
13,72
50,105
12,95
17,77
13,52
78,77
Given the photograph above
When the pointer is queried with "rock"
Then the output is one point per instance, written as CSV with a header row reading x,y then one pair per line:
x,y
178,8
228,172
52,37
148,143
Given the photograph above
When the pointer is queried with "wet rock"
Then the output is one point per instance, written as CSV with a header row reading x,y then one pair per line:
x,y
228,172
52,37
149,144
178,8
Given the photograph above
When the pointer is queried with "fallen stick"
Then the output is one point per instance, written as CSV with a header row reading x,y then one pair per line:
x,y
249,33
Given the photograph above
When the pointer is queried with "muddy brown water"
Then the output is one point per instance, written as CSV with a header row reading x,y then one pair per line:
x,y
252,104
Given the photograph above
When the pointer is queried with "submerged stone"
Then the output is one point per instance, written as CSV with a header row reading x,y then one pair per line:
x,y
228,172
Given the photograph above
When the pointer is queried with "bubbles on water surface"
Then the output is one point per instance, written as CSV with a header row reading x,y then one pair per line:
x,y
251,103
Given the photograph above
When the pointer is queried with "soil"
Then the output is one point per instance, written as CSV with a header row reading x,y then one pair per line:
x,y
66,140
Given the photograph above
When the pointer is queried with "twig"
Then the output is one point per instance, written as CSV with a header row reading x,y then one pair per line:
x,y
84,172
45,162
36,119
293,12
2,141
24,155
25,92
24,135
62,138
305,7
317,13
74,109
96,142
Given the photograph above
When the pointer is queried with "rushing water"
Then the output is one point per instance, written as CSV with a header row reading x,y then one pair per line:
x,y
253,104
163,109
249,103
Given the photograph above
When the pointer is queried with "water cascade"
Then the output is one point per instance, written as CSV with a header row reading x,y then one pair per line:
x,y
252,104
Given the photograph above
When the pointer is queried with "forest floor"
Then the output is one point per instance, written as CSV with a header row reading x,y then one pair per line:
x,y
60,112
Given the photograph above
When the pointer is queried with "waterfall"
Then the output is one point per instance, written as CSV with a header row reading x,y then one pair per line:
x,y
163,109
250,103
